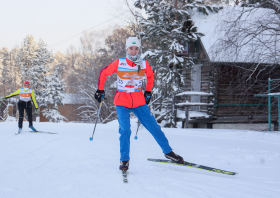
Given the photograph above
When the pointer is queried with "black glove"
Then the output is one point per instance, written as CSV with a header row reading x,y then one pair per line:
x,y
99,94
147,96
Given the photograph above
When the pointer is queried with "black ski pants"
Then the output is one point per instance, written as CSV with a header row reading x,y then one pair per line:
x,y
28,108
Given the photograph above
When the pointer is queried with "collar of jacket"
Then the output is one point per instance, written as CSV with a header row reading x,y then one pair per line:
x,y
129,62
25,90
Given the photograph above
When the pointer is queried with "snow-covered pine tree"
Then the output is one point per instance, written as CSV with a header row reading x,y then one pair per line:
x,y
5,71
169,26
52,96
26,56
34,60
40,69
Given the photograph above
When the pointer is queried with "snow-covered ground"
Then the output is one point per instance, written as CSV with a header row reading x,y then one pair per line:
x,y
68,165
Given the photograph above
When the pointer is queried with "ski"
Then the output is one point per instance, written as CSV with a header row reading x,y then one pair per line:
x,y
188,164
124,174
36,132
40,132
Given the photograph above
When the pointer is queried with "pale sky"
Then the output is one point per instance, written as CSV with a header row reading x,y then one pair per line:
x,y
55,21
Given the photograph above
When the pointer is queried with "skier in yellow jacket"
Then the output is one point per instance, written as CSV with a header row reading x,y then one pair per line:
x,y
26,95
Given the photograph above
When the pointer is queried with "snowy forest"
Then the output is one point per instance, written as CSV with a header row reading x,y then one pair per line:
x,y
165,28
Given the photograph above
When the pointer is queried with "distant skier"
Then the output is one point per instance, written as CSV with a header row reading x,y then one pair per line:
x,y
26,95
129,98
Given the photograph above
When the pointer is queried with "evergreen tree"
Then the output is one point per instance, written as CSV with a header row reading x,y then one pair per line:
x,y
4,71
34,60
41,67
26,56
169,26
9,72
53,96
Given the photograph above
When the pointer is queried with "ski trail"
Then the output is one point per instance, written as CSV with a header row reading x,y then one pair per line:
x,y
69,165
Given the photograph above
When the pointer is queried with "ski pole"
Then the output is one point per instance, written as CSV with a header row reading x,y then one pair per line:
x,y
91,138
137,130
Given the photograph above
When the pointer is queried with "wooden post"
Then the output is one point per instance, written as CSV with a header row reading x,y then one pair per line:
x,y
187,117
175,117
10,110
278,113
160,103
176,7
175,111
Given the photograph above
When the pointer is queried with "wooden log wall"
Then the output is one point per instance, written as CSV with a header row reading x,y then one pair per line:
x,y
236,87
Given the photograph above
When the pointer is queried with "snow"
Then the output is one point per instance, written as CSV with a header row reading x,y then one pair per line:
x,y
187,103
10,119
148,53
68,165
182,114
14,99
158,112
114,85
274,94
193,93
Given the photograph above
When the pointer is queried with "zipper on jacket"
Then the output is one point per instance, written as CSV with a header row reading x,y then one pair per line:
x,y
131,100
119,95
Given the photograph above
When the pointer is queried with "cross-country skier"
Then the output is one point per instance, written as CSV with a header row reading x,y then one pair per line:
x,y
130,98
25,96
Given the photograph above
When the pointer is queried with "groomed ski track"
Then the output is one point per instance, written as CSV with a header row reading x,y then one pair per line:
x,y
68,165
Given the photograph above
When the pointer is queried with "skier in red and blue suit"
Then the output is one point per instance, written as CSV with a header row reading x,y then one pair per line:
x,y
130,98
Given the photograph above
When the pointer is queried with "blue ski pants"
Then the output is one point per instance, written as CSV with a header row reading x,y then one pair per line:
x,y
146,118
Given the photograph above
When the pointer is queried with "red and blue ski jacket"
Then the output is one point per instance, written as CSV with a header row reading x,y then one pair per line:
x,y
122,97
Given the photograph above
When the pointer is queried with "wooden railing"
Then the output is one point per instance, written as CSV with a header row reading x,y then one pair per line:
x,y
5,114
186,105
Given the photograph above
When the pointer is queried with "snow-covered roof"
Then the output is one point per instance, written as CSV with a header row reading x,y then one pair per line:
x,y
210,25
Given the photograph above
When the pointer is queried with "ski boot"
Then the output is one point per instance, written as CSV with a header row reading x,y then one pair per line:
x,y
124,165
174,157
32,128
19,131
